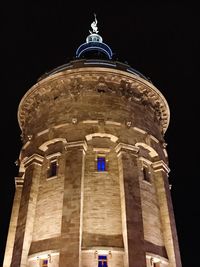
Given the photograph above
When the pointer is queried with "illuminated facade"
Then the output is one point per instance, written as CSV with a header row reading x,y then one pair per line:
x,y
92,188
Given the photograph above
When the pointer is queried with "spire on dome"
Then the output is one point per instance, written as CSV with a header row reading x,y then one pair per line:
x,y
94,25
94,46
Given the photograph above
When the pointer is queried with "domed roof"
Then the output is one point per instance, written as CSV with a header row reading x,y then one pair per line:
x,y
94,46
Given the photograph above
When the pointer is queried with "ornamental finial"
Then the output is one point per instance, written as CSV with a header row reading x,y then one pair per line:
x,y
94,25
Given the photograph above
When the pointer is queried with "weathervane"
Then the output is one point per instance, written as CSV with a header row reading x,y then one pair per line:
x,y
94,26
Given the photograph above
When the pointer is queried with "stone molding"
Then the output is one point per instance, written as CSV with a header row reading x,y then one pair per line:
x,y
26,145
147,161
43,254
45,145
77,144
33,159
157,258
160,166
165,152
19,181
139,130
90,121
126,147
53,155
101,150
113,138
43,132
72,83
104,250
153,138
152,152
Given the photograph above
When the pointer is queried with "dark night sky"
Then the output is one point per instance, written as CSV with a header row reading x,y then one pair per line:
x,y
156,38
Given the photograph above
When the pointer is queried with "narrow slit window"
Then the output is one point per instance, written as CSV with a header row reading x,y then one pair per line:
x,y
146,174
102,261
53,169
101,164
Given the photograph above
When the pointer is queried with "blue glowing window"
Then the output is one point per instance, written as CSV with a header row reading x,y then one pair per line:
x,y
101,164
102,261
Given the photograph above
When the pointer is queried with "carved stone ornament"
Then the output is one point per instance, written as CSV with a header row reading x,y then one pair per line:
x,y
71,85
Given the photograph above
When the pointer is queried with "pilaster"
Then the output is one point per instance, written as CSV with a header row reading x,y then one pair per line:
x,y
13,222
132,222
25,220
71,230
161,171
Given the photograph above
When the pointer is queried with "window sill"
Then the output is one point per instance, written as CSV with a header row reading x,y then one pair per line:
x,y
52,177
101,172
146,182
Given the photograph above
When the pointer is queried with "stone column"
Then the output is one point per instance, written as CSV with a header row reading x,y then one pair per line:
x,y
166,213
27,207
71,230
13,222
132,222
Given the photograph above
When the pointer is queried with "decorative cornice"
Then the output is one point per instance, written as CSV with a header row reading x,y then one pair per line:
x,y
78,144
34,159
19,181
124,147
160,166
72,82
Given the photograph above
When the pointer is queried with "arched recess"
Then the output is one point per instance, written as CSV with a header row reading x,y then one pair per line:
x,y
45,145
152,152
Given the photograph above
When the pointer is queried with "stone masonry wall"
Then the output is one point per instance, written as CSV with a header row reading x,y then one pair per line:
x,y
101,207
80,114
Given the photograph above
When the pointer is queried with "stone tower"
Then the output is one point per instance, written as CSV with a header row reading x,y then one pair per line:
x,y
93,188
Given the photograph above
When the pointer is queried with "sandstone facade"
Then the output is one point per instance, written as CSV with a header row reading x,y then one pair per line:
x,y
73,116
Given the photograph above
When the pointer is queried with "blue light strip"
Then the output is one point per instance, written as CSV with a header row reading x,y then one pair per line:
x,y
94,46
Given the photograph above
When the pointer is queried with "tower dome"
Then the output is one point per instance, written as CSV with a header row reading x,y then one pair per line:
x,y
94,46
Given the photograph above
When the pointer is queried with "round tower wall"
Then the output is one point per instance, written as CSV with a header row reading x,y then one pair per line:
x,y
71,119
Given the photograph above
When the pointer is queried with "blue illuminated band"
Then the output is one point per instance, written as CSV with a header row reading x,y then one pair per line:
x,y
102,47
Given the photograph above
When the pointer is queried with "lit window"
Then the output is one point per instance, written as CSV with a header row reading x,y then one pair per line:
x,y
102,261
52,171
101,164
45,263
